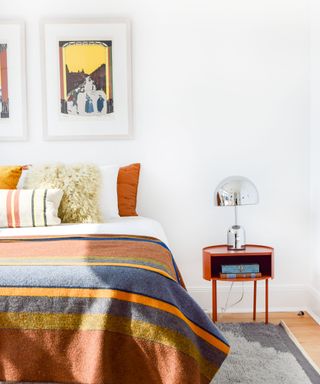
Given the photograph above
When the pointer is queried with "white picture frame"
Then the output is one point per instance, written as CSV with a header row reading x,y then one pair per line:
x,y
66,116
13,106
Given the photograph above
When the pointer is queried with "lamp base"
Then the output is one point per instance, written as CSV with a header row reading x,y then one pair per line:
x,y
236,238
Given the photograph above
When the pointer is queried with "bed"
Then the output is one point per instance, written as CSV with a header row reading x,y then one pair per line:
x,y
100,304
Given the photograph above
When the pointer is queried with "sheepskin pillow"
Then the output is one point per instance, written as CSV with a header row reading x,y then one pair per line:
x,y
80,184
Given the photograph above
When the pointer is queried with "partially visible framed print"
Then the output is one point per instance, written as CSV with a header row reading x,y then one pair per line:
x,y
12,81
87,79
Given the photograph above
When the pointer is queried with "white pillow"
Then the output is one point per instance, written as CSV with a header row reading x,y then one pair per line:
x,y
29,207
23,176
109,193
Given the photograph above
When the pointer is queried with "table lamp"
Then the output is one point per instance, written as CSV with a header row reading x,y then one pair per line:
x,y
232,192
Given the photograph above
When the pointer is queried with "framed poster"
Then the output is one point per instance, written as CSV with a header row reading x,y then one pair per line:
x,y
87,79
12,81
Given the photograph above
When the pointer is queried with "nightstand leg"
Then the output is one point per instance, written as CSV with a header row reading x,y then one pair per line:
x,y
254,300
214,300
267,301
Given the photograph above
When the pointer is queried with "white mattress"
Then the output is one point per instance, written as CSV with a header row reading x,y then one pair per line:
x,y
133,225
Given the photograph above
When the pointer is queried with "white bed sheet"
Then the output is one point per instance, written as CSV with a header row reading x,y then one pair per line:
x,y
133,225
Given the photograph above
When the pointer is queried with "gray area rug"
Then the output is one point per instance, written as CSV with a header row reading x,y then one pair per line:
x,y
263,354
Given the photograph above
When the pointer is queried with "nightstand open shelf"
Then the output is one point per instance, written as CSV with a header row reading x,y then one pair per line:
x,y
216,256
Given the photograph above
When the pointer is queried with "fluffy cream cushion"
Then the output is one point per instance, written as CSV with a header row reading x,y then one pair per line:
x,y
80,184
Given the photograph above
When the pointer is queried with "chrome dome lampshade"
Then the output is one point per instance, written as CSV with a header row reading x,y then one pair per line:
x,y
232,192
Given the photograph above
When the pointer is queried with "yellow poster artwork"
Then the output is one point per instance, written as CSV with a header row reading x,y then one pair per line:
x,y
86,77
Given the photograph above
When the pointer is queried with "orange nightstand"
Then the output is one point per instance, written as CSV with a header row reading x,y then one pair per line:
x,y
216,255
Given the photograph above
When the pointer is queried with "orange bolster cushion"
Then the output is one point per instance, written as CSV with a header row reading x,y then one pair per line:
x,y
9,176
128,180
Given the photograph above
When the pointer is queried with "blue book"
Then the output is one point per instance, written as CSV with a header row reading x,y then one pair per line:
x,y
241,268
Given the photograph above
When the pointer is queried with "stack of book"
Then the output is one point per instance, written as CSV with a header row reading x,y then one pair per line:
x,y
240,271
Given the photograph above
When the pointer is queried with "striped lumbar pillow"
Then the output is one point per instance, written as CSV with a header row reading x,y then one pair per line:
x,y
29,207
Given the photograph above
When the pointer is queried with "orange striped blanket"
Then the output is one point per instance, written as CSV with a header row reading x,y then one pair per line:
x,y
100,309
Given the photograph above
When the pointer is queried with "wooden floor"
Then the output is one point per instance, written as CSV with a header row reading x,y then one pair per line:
x,y
304,328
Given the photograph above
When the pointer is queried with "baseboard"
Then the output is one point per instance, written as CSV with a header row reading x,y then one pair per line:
x,y
314,303
313,315
282,298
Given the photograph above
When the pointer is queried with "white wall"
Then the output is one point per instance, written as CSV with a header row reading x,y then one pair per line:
x,y
314,152
220,88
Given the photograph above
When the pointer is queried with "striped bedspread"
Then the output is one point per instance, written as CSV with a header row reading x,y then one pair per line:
x,y
100,309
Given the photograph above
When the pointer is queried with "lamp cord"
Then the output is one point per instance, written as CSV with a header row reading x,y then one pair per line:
x,y
226,307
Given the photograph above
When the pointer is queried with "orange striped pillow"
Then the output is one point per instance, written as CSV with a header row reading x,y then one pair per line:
x,y
29,207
